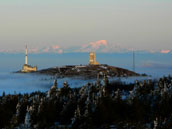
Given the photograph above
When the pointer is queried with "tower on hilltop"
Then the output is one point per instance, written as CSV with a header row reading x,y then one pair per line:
x,y
27,68
92,59
26,55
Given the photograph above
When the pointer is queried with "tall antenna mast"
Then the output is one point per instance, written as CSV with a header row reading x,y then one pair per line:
x,y
26,55
134,61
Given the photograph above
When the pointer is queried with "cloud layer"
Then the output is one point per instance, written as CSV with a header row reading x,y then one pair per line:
x,y
151,64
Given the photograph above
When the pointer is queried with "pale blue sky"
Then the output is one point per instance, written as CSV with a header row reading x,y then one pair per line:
x,y
138,24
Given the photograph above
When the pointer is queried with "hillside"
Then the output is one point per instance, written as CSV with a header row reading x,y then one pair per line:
x,y
89,71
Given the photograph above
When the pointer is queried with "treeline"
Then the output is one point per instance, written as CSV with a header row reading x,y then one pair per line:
x,y
109,105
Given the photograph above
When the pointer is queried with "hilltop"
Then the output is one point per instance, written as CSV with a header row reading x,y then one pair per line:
x,y
87,71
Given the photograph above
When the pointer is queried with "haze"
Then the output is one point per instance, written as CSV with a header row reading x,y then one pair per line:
x,y
138,24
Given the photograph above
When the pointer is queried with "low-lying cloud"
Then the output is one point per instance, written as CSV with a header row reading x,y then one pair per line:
x,y
156,65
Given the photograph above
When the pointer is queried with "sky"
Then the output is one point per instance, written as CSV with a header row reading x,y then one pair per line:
x,y
85,25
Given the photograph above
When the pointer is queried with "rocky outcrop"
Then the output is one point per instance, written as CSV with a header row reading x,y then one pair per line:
x,y
89,71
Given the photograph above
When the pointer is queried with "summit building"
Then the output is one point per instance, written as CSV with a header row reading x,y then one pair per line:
x,y
92,59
